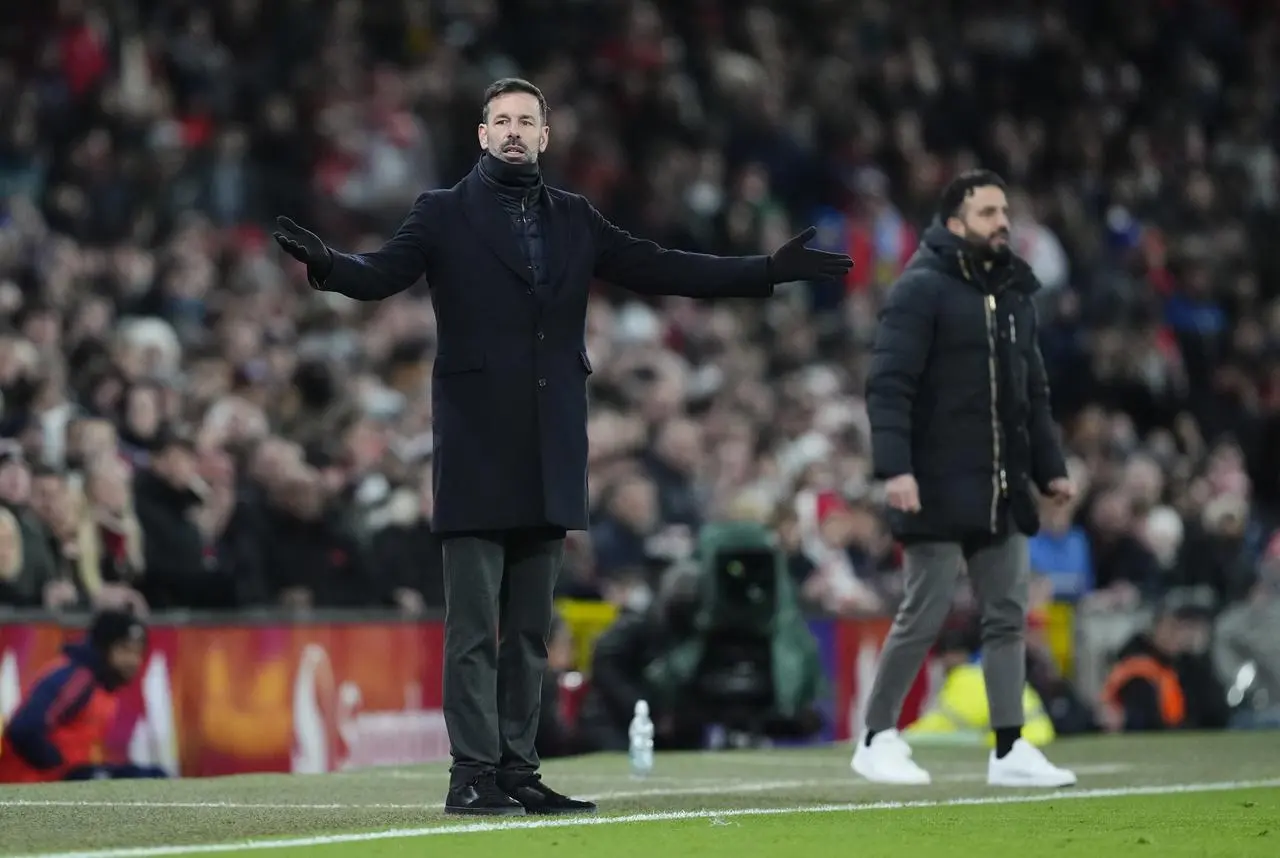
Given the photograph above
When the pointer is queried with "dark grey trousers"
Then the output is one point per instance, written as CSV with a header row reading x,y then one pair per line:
x,y
499,590
1000,573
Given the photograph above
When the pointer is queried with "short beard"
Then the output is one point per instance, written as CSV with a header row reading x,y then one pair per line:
x,y
984,250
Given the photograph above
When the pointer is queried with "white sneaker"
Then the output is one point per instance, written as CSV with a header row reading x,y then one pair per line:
x,y
1025,766
887,760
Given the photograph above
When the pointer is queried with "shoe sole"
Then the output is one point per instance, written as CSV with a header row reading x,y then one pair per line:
x,y
861,772
486,811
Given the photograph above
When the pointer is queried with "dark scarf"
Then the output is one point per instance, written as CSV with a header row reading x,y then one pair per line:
x,y
510,179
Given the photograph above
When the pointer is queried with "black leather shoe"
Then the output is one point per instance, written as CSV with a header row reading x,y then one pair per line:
x,y
537,797
481,797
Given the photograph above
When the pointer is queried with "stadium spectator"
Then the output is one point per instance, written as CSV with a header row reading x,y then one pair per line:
x,y
1246,648
170,499
108,548
38,564
1161,680
406,551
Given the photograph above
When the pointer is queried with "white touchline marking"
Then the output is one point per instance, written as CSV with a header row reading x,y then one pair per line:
x,y
690,786
669,816
721,789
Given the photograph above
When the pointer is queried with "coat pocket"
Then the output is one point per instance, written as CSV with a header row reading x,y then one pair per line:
x,y
455,363
586,362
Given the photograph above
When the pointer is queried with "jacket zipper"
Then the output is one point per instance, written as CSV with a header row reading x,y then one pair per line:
x,y
999,481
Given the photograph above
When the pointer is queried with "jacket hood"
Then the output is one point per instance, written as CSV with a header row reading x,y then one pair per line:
x,y
944,252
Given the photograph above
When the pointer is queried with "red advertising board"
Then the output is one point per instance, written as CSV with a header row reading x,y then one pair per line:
x,y
216,700
316,697
857,658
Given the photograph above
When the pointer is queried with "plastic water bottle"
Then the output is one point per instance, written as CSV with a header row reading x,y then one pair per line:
x,y
641,736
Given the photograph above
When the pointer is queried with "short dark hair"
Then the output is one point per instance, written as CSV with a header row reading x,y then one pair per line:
x,y
513,84
962,187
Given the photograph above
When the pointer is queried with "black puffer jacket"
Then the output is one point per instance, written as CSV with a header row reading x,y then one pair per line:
x,y
957,394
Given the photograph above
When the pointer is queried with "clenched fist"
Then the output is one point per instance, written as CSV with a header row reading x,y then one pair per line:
x,y
1062,490
903,493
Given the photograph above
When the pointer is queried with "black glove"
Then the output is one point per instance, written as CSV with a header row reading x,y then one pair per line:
x,y
794,261
306,247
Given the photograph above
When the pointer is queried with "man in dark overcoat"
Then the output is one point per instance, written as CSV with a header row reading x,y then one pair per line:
x,y
509,262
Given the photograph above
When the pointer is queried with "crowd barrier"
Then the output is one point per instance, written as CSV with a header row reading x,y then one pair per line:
x,y
220,696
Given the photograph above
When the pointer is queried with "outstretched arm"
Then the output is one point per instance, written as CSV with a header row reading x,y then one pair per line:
x,y
387,271
898,359
643,266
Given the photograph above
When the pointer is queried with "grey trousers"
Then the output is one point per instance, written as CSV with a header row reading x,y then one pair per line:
x,y
1000,574
499,583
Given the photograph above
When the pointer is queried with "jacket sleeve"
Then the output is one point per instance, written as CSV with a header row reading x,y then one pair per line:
x,y
392,268
55,700
1047,462
645,267
898,358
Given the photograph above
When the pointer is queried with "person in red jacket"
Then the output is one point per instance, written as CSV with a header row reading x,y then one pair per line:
x,y
59,729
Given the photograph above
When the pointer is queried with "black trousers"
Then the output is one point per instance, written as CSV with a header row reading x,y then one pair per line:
x,y
499,592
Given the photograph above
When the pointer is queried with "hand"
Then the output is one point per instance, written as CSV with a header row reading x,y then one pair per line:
x,y
903,493
306,247
120,597
1127,596
793,261
410,601
297,598
1062,490
59,594
213,516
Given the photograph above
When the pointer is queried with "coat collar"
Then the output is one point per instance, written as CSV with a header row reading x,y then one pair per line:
x,y
485,212
943,250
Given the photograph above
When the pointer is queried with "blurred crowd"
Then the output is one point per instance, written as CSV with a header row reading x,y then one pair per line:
x,y
188,425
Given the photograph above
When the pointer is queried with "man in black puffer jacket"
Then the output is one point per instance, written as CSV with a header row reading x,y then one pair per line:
x,y
962,433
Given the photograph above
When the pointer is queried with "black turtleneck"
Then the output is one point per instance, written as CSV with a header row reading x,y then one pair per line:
x,y
508,179
518,188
